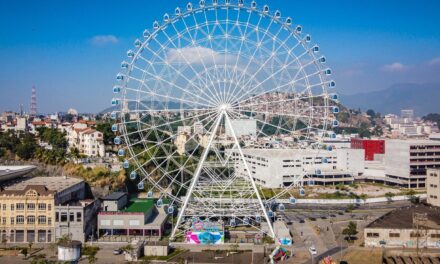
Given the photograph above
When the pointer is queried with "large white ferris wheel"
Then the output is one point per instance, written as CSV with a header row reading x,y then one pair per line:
x,y
202,90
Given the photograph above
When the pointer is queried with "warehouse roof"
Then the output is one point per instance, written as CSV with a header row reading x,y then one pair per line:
x,y
408,217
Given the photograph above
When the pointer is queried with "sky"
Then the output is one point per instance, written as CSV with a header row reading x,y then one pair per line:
x,y
71,50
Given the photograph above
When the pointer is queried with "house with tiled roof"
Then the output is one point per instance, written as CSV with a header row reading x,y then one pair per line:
x,y
87,140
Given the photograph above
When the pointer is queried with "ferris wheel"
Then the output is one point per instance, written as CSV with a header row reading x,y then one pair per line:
x,y
201,91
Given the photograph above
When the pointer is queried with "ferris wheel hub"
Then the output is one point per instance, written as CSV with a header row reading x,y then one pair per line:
x,y
225,107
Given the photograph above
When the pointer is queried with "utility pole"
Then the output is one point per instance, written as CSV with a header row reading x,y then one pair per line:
x,y
419,221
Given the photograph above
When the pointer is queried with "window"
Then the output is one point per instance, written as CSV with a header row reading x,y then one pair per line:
x,y
20,219
105,222
41,206
415,234
78,216
12,207
12,220
394,234
435,235
19,206
31,206
49,221
49,207
4,220
41,219
4,207
63,217
57,217
118,222
134,222
31,219
372,234
71,216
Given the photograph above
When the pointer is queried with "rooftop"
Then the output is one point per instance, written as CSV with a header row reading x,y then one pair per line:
x,y
282,153
57,184
114,196
405,218
139,206
414,141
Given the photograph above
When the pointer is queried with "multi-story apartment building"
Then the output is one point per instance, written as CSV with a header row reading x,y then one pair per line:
x,y
27,207
433,186
87,140
406,161
275,168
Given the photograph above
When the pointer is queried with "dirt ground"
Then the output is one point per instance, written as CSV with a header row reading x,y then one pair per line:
x,y
362,256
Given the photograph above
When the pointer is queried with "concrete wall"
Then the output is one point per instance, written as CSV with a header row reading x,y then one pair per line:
x,y
351,160
83,225
397,158
156,250
114,205
404,239
433,187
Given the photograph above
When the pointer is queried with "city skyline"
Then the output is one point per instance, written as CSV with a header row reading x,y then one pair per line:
x,y
68,51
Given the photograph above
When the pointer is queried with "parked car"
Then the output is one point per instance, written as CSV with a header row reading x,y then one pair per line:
x,y
117,251
312,250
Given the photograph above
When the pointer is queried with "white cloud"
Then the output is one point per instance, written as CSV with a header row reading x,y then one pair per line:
x,y
435,61
394,67
198,55
101,40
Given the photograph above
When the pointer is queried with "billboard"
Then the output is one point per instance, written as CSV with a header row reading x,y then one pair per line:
x,y
204,233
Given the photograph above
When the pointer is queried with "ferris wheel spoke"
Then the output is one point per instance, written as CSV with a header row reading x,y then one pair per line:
x,y
156,127
166,97
269,124
277,88
196,73
271,57
158,143
175,152
158,78
296,98
272,75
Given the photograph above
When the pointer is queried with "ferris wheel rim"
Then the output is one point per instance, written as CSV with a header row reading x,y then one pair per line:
x,y
187,13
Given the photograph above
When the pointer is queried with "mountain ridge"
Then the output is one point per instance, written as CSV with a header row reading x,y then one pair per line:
x,y
420,97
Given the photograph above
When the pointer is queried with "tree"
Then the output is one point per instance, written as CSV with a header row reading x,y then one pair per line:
x,y
433,117
371,113
350,230
411,195
106,130
92,259
389,196
349,208
27,147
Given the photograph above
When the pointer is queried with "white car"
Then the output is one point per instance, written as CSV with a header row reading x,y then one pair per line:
x,y
312,250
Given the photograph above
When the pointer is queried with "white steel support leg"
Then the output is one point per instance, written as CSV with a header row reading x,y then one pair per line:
x,y
197,174
250,178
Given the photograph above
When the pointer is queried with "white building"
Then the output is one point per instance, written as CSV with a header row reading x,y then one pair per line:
x,y
183,130
21,124
433,186
406,161
407,114
275,168
87,140
242,127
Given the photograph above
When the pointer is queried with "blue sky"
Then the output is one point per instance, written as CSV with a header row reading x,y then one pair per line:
x,y
71,50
